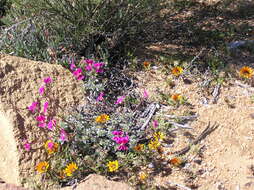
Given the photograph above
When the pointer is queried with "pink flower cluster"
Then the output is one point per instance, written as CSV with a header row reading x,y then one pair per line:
x,y
43,120
92,65
77,72
120,139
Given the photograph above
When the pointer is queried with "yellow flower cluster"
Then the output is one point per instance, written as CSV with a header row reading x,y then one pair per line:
x,y
103,118
113,165
70,168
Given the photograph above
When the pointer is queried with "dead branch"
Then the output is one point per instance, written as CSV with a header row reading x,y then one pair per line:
x,y
208,130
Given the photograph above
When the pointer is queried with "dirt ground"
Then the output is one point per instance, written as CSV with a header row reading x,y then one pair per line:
x,y
226,155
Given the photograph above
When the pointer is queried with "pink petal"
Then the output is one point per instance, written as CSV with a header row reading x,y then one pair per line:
x,y
45,107
120,100
155,123
41,90
100,97
32,107
47,80
27,146
145,94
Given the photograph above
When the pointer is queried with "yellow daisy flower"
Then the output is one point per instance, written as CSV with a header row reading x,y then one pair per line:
x,y
246,72
153,144
103,118
42,167
70,168
51,147
159,135
143,176
177,71
113,165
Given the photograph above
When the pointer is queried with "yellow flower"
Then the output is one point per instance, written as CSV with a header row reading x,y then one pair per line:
x,y
103,118
177,71
143,176
113,166
246,72
159,135
42,167
70,168
176,161
51,147
139,147
146,64
176,97
154,144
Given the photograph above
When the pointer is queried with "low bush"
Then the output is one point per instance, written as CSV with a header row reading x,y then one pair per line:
x,y
90,28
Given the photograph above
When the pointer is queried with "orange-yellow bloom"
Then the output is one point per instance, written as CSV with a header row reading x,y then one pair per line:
x,y
177,71
146,64
176,97
42,167
103,118
246,72
139,147
72,167
143,176
176,161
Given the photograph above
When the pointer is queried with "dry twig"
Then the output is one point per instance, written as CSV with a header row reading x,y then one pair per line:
x,y
206,132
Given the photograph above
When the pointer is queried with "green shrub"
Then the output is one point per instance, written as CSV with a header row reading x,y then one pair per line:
x,y
94,28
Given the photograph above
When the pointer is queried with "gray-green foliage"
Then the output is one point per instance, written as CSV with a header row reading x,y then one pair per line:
x,y
83,24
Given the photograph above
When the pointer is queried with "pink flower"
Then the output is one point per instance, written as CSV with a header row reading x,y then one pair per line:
x,y
73,66
33,106
155,123
50,145
27,146
117,133
45,107
145,94
89,61
120,100
77,72
122,147
125,140
100,97
98,67
41,90
89,67
47,80
80,77
63,135
51,124
117,139
40,118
